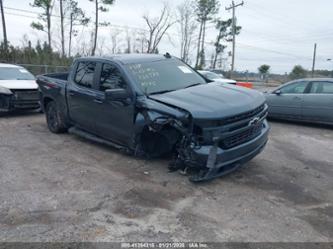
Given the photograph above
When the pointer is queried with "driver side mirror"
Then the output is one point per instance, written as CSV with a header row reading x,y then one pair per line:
x,y
116,94
278,92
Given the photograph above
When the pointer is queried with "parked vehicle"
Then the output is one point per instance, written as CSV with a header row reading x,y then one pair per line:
x,y
216,77
153,105
309,100
18,88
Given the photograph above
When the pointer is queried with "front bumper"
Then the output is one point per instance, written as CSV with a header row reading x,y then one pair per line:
x,y
219,162
15,102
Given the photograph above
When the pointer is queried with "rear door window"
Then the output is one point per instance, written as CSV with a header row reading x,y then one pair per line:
x,y
84,75
322,87
111,78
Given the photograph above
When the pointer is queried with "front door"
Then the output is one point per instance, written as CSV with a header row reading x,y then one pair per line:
x,y
287,101
81,95
115,118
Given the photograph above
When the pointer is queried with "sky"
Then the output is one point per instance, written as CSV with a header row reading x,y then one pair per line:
x,y
280,33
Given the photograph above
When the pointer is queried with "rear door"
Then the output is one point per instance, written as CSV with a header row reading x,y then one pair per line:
x,y
286,102
318,103
81,95
115,118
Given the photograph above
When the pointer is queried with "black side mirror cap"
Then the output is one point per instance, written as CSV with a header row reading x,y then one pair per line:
x,y
277,92
116,94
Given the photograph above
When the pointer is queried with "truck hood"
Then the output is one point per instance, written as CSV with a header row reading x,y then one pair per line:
x,y
19,84
213,100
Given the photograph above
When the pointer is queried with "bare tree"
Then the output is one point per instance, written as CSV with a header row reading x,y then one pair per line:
x,y
76,17
224,34
143,41
157,27
45,17
99,7
205,11
188,25
62,28
114,34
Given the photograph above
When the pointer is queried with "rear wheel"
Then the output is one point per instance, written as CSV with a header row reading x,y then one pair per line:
x,y
55,121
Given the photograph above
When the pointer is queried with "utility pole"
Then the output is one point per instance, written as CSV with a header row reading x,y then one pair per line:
x,y
233,7
314,59
4,26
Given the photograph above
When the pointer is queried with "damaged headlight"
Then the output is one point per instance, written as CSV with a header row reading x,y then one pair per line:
x,y
4,90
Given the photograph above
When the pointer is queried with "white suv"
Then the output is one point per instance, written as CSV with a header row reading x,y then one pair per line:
x,y
18,88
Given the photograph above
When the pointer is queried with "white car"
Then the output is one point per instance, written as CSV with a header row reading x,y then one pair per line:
x,y
18,88
216,77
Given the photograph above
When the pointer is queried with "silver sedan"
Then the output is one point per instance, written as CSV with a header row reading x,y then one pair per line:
x,y
309,100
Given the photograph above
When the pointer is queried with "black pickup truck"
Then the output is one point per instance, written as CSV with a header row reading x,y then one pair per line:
x,y
154,105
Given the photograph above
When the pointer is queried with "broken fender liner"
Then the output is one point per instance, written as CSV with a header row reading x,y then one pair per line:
x,y
158,143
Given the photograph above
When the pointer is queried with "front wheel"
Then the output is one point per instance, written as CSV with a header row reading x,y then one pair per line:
x,y
54,118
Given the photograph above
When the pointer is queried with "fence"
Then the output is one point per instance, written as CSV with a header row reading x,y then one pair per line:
x,y
44,69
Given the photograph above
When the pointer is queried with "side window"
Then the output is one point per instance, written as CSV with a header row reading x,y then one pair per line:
x,y
84,75
322,87
111,78
295,88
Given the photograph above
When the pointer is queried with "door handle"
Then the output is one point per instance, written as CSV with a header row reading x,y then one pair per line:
x,y
98,101
297,98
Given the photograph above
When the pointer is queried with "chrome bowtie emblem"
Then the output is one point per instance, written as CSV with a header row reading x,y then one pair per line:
x,y
254,121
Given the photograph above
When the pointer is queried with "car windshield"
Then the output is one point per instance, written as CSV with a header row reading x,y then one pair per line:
x,y
164,76
15,73
212,76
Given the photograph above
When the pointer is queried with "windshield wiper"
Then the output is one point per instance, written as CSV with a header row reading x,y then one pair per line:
x,y
161,92
196,84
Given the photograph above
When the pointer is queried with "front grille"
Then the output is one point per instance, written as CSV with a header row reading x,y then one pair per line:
x,y
26,95
241,137
230,120
245,115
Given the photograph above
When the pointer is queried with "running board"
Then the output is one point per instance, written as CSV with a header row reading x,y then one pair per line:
x,y
89,136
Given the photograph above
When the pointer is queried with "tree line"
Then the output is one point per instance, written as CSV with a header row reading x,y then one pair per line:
x,y
297,72
191,18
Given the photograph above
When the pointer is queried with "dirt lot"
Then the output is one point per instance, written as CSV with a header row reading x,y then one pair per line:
x,y
64,188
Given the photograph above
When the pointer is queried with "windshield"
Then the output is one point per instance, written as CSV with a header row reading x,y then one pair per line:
x,y
212,76
13,73
164,75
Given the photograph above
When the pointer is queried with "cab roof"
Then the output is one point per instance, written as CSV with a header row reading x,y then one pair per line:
x,y
131,58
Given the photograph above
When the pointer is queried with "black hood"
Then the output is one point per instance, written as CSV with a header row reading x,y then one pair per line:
x,y
213,100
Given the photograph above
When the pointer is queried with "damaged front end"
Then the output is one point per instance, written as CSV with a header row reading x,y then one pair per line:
x,y
204,149
5,99
18,99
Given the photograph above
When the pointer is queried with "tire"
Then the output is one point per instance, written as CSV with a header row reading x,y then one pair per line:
x,y
55,120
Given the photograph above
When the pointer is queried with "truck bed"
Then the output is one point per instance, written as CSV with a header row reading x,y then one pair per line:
x,y
59,76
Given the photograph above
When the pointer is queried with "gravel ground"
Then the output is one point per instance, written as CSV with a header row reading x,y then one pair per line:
x,y
64,188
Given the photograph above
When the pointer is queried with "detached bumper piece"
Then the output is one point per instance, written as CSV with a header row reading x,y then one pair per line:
x,y
20,99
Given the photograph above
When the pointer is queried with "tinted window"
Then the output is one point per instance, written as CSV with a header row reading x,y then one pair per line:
x,y
294,88
211,76
322,87
13,73
164,75
111,78
85,74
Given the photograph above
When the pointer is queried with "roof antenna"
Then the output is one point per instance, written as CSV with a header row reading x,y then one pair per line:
x,y
167,55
